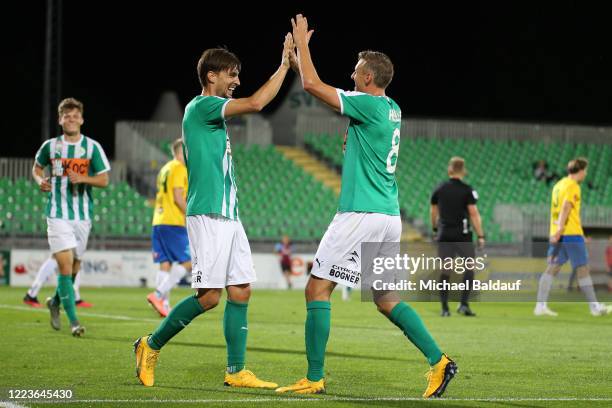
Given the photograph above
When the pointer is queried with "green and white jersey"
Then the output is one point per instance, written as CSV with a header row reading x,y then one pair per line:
x,y
208,157
372,148
66,200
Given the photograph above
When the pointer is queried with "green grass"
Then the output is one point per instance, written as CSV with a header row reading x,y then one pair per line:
x,y
504,353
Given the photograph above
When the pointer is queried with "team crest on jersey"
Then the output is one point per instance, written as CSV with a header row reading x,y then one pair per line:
x,y
79,151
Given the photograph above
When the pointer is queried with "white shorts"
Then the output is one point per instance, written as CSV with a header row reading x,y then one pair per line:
x,y
338,258
220,252
68,234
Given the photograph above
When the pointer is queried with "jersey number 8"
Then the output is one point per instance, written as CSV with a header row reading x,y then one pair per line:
x,y
394,152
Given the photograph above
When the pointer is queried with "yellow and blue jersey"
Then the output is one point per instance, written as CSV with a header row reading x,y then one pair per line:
x,y
566,189
172,175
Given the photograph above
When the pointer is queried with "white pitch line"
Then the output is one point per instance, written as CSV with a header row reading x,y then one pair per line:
x,y
314,400
86,314
6,404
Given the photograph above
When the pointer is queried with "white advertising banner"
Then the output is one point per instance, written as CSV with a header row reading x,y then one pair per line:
x,y
98,268
136,268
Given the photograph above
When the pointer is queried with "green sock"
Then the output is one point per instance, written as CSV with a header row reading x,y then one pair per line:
x,y
407,319
318,319
65,291
180,316
235,329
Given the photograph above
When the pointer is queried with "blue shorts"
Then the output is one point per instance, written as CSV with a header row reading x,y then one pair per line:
x,y
570,247
170,244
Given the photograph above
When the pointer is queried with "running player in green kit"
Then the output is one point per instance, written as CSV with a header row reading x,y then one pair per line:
x,y
76,163
220,251
368,211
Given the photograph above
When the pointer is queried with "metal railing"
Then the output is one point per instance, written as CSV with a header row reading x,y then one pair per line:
x,y
455,129
529,221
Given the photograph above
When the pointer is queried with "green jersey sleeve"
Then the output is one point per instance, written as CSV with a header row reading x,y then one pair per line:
x,y
99,162
43,156
212,109
358,106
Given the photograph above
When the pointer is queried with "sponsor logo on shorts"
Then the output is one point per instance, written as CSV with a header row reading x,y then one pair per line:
x,y
344,274
353,256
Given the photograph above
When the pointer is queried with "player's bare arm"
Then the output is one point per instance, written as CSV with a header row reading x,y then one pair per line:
x,y
310,79
38,174
180,202
293,60
476,223
99,180
565,210
433,213
269,90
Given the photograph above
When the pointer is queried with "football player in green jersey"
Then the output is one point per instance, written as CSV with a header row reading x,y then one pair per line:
x,y
77,164
368,211
220,251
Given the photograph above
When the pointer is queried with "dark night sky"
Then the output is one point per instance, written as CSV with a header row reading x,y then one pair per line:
x,y
540,62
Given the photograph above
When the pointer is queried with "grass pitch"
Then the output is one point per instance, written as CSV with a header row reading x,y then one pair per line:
x,y
506,356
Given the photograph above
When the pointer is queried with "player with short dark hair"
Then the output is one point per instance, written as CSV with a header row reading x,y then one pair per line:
x,y
220,250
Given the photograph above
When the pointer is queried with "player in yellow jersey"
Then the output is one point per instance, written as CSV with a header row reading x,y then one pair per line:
x,y
567,241
169,237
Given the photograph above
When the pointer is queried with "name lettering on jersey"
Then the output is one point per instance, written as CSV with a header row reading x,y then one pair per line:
x,y
60,167
395,115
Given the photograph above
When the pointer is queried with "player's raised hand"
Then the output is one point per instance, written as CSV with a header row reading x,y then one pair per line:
x,y
288,49
293,60
44,185
301,35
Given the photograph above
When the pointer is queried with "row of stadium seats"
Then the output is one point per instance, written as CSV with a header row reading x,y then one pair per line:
x,y
118,209
501,172
276,197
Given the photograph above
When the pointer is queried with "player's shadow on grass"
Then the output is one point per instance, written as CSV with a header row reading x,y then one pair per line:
x,y
442,402
297,352
129,341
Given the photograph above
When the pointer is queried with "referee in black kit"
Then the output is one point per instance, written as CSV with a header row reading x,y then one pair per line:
x,y
452,204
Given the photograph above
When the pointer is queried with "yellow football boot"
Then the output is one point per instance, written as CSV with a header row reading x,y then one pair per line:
x,y
146,358
439,376
305,386
246,379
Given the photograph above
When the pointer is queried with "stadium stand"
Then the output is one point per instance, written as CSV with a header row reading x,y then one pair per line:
x,y
278,196
501,172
